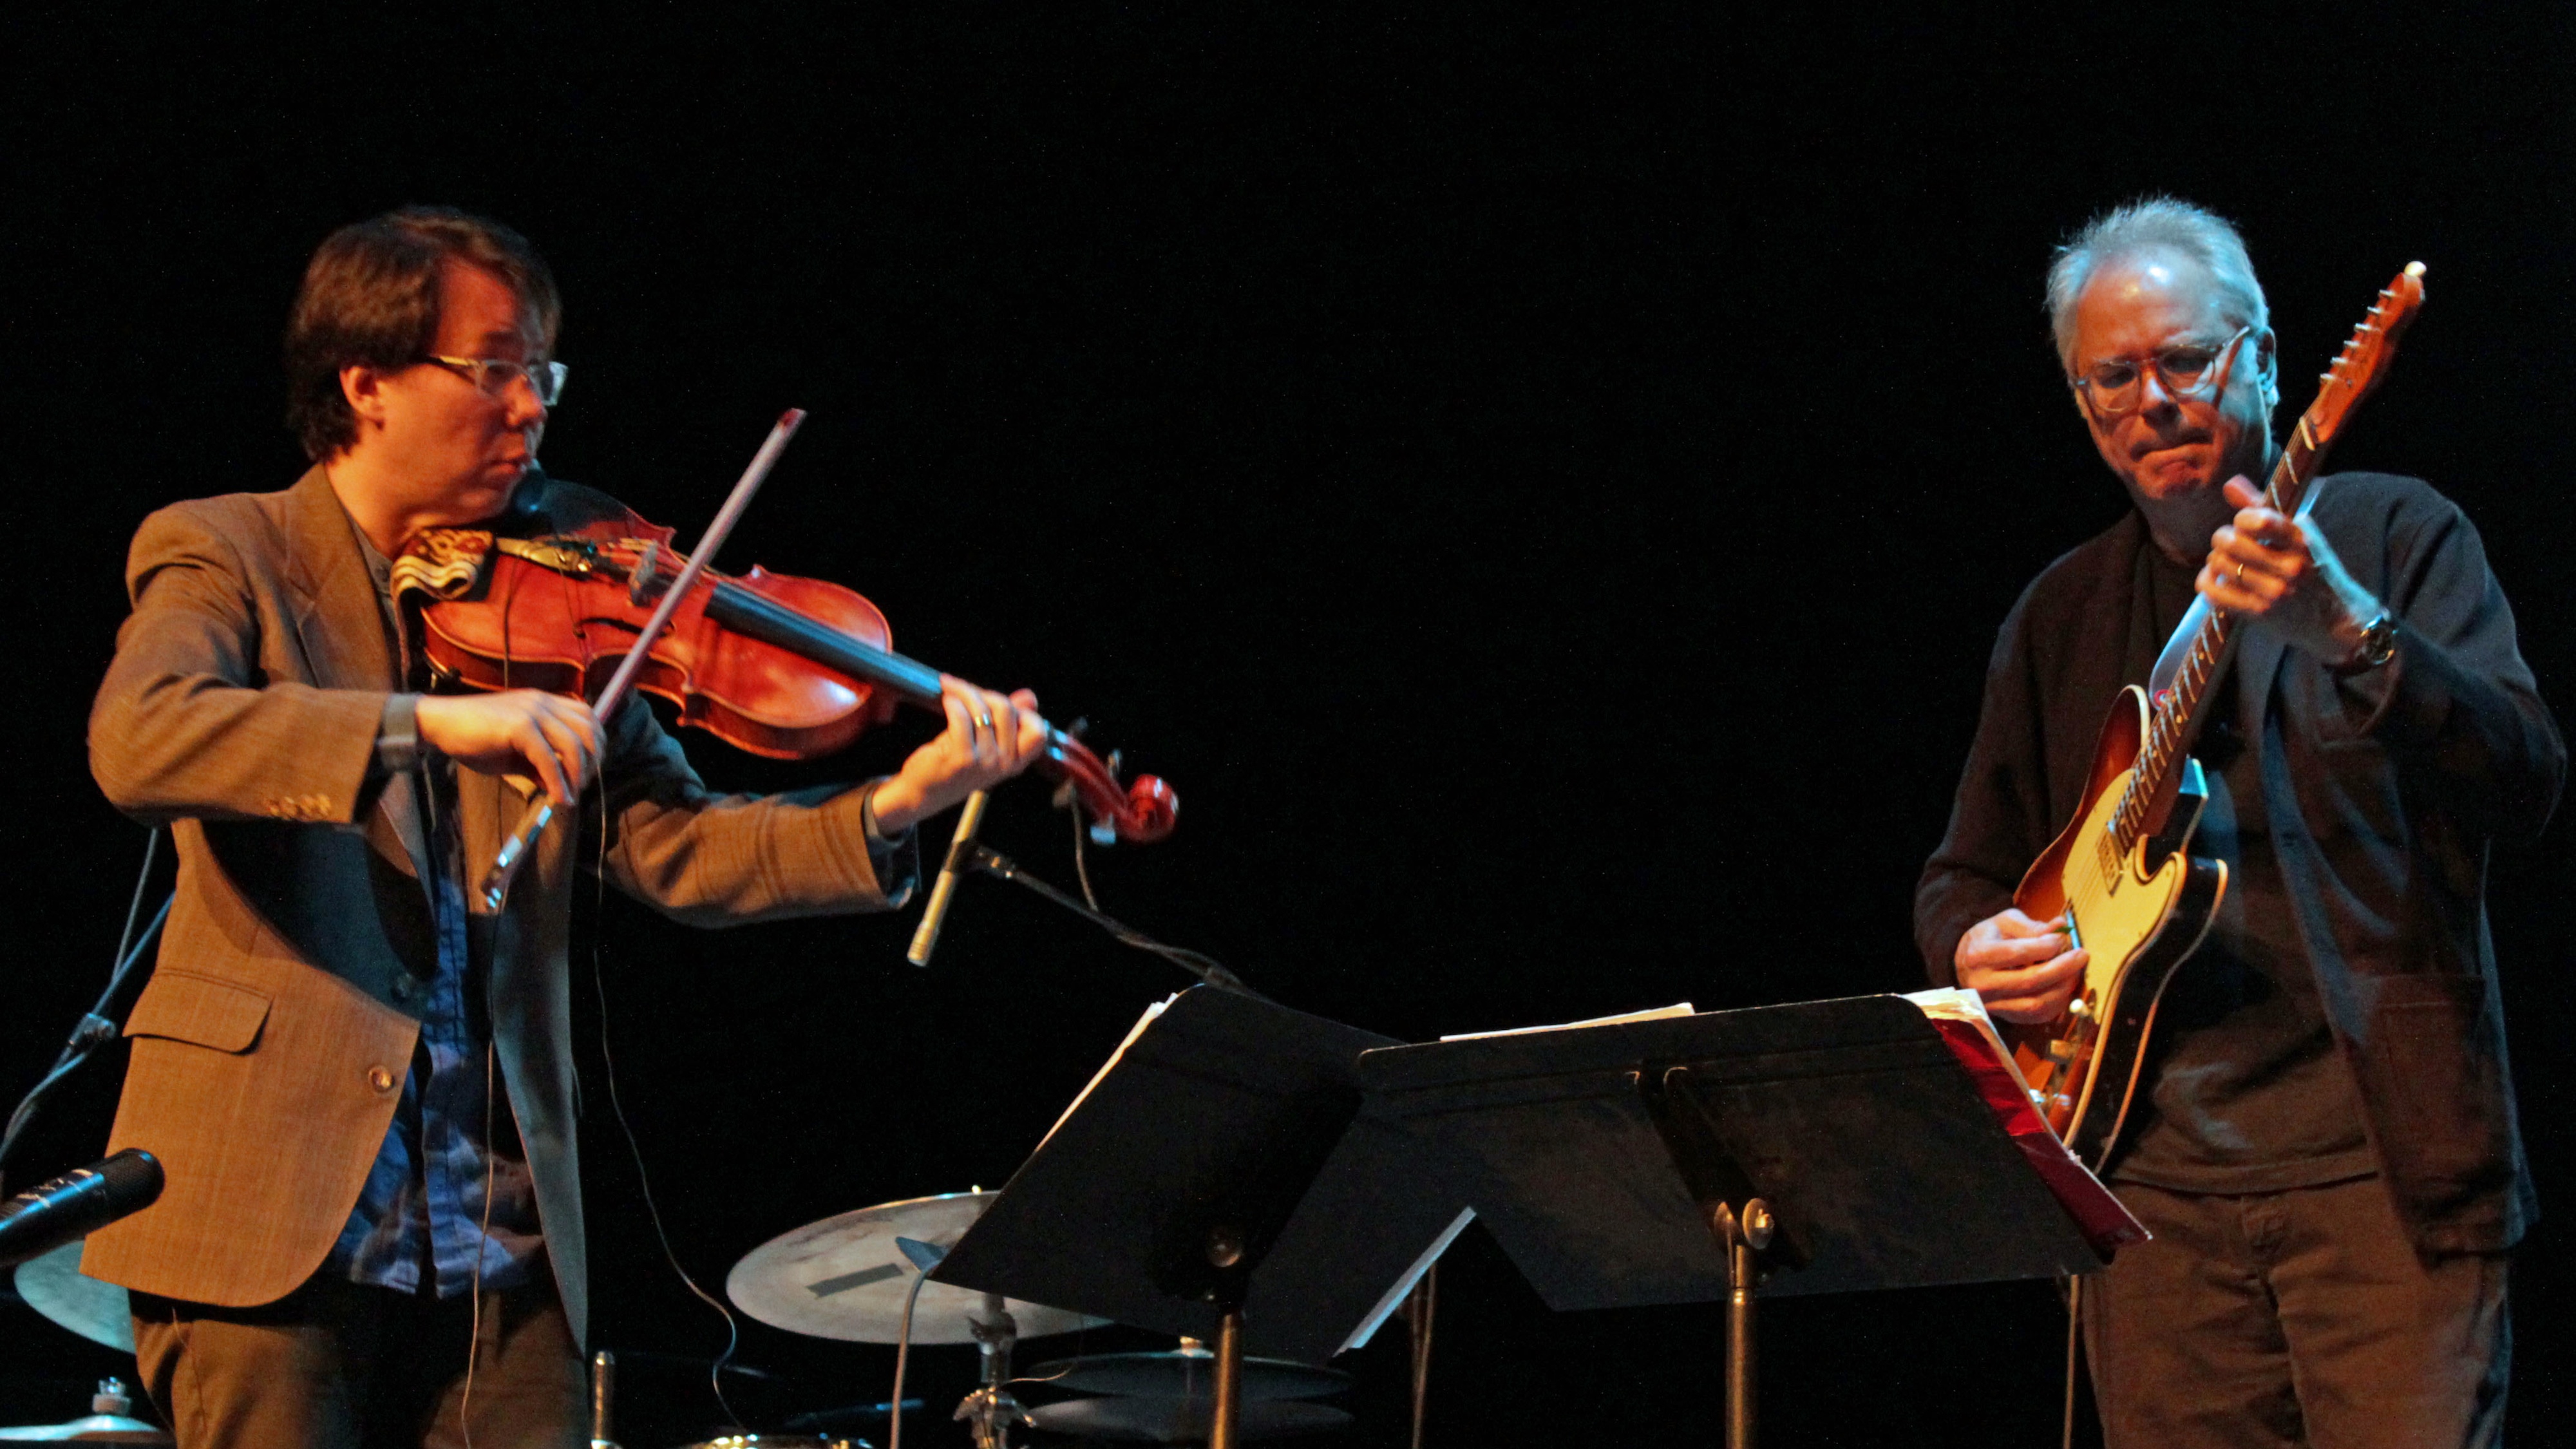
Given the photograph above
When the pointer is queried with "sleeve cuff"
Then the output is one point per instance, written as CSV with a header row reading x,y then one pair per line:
x,y
880,844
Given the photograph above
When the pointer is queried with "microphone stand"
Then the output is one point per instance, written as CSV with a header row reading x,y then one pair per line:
x,y
96,1027
980,857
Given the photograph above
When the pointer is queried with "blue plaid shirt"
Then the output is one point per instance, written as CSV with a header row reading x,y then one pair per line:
x,y
422,1221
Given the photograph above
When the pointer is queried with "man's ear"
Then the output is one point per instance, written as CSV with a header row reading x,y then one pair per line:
x,y
363,388
2267,351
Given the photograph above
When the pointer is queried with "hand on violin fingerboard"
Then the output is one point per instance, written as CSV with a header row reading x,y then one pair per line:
x,y
548,737
990,737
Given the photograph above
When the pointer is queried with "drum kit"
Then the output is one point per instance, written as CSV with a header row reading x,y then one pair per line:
x,y
858,1278
53,1286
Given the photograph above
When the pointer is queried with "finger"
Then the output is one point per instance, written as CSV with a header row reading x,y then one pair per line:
x,y
594,731
1008,727
534,748
2037,979
2018,952
961,715
1029,736
962,702
2040,996
2015,922
1034,732
571,720
2240,490
571,754
996,724
2255,548
2231,587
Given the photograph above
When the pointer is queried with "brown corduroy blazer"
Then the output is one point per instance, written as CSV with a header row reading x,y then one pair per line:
x,y
243,707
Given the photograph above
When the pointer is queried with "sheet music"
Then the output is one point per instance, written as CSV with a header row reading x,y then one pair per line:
x,y
1385,1306
1679,1008
1129,1040
1956,1003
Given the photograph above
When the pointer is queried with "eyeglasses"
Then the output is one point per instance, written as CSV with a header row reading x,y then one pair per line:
x,y
493,375
2112,390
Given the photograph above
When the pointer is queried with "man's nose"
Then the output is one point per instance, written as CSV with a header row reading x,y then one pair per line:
x,y
527,410
2153,399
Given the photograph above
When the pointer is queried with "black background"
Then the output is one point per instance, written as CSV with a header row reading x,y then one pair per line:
x,y
1541,484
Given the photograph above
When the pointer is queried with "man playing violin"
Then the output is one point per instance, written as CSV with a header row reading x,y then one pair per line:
x,y
2324,1143
358,1080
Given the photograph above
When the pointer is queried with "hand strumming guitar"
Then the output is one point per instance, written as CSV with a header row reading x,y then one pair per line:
x,y
2023,968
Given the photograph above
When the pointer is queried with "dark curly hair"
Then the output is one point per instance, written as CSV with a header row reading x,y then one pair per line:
x,y
371,296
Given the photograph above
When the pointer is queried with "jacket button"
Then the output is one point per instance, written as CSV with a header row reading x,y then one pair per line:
x,y
380,1079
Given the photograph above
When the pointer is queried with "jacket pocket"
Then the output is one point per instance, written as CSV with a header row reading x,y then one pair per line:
x,y
2441,1080
200,1010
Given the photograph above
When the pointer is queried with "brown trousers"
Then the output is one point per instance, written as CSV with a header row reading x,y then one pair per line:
x,y
2293,1318
341,1365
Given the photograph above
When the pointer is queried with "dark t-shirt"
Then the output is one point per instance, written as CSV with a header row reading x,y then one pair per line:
x,y
2249,1093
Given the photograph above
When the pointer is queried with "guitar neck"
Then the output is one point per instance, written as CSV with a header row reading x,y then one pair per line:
x,y
2175,720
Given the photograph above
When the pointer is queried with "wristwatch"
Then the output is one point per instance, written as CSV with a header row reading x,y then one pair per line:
x,y
2378,642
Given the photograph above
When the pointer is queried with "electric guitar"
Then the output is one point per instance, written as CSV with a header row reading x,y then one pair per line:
x,y
2122,873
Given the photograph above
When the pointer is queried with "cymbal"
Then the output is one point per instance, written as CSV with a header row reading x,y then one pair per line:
x,y
94,1429
844,1278
106,1423
53,1285
1188,1374
778,1441
1182,1421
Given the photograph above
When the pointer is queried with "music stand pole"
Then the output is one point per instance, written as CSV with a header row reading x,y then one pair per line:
x,y
1742,1238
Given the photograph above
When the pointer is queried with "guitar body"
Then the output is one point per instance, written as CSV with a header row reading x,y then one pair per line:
x,y
2139,912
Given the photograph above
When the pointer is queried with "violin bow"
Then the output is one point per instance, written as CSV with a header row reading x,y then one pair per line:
x,y
541,811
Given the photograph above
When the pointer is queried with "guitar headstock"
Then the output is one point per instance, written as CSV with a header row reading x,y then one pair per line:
x,y
2357,369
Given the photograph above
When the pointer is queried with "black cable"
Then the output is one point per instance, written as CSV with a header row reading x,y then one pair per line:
x,y
1206,968
1081,862
635,1149
96,1027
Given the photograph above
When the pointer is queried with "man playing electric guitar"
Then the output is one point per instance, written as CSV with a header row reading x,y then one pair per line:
x,y
2323,1142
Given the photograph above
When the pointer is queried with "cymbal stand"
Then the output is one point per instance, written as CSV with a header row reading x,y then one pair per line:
x,y
992,1409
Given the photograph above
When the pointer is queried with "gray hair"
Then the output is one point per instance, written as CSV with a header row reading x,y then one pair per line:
x,y
2153,223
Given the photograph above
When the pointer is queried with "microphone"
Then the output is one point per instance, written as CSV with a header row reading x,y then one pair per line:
x,y
50,1214
960,848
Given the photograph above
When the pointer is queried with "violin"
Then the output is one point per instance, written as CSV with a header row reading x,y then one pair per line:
x,y
787,667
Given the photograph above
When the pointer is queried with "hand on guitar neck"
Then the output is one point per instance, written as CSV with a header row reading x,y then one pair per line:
x,y
2283,572
2023,968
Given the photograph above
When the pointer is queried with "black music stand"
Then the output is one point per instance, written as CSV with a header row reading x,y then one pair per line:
x,y
1822,1147
1212,1183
